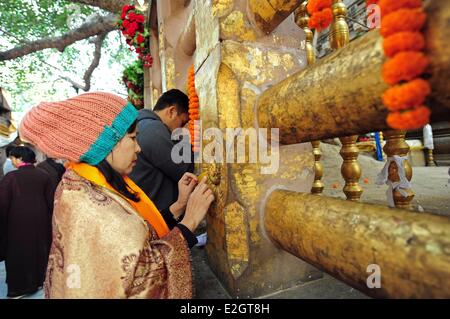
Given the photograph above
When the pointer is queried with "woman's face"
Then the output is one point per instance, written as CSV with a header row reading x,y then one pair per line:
x,y
124,155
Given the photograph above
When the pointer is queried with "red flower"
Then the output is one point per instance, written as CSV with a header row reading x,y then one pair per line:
x,y
406,96
126,24
140,18
125,9
140,38
123,16
405,66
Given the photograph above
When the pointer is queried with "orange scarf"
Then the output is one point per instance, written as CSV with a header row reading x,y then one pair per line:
x,y
144,207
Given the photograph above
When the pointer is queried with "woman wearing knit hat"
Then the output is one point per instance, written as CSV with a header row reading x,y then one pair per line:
x,y
109,240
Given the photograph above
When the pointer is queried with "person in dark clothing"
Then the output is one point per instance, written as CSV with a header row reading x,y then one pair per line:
x,y
155,172
53,169
26,206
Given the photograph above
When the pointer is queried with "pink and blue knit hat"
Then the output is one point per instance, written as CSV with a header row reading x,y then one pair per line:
x,y
81,129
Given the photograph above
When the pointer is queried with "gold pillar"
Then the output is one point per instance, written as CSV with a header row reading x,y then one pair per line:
x,y
351,170
396,145
302,19
340,94
268,14
318,185
350,240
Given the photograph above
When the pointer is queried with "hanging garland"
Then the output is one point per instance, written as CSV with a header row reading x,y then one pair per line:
x,y
404,43
132,25
194,111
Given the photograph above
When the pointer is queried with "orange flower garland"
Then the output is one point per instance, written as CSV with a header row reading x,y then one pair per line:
x,y
194,111
320,13
405,66
401,24
406,96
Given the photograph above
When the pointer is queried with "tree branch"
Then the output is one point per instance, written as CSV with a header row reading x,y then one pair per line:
x,y
114,6
92,27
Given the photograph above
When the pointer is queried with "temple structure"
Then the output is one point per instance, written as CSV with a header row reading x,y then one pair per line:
x,y
256,67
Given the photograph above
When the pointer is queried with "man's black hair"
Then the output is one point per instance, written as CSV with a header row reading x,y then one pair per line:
x,y
24,153
8,150
115,179
173,97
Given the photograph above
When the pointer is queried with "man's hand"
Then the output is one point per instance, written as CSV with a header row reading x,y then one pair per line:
x,y
198,206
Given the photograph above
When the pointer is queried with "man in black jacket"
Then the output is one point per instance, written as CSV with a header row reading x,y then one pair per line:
x,y
155,172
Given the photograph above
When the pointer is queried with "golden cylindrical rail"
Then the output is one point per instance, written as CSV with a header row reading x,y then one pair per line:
x,y
351,170
340,95
348,240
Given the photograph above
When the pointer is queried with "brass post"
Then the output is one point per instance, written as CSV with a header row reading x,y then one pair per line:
x,y
351,170
318,185
302,19
396,145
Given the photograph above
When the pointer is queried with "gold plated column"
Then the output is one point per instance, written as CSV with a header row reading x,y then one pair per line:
x,y
302,19
344,238
318,186
351,171
396,145
430,159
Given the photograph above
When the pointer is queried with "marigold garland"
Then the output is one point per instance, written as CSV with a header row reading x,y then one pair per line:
x,y
401,23
406,96
321,20
320,13
194,111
